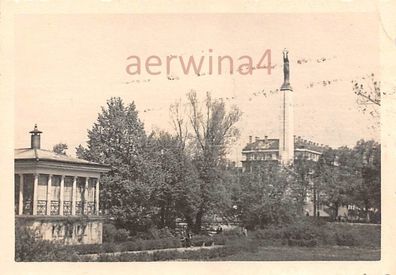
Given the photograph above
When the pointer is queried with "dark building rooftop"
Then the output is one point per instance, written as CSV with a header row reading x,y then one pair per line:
x,y
273,144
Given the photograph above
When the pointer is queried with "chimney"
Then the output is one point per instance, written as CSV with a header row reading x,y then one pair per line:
x,y
257,138
35,138
265,138
250,139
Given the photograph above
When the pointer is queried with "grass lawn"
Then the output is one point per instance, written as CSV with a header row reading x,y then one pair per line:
x,y
286,253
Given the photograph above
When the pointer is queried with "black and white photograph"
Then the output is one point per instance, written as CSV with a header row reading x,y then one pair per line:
x,y
201,136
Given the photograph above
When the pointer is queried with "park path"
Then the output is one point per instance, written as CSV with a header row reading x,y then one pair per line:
x,y
179,249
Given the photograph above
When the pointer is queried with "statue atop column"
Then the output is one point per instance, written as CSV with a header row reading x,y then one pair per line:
x,y
286,71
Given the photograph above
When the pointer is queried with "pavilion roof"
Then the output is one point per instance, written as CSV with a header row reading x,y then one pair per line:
x,y
41,154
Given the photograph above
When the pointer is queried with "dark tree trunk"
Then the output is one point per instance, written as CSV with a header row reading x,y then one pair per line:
x,y
162,217
198,222
367,211
336,206
190,223
314,202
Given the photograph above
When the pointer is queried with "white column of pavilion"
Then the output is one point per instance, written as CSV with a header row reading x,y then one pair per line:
x,y
20,205
49,184
97,197
35,194
85,197
74,191
62,183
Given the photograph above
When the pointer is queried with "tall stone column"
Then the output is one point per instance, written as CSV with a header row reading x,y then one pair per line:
x,y
20,208
74,190
62,184
49,183
97,197
35,187
286,146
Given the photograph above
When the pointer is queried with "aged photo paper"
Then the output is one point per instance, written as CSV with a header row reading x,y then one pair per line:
x,y
185,137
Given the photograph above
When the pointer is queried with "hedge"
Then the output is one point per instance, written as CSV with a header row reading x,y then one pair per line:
x,y
311,234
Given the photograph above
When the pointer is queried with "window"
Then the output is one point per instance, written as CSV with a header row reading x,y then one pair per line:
x,y
28,194
42,188
55,188
67,189
91,189
80,189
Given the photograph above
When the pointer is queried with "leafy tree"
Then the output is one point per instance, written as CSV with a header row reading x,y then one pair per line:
x,y
368,93
213,130
335,176
118,138
266,197
176,190
351,177
367,164
304,181
60,148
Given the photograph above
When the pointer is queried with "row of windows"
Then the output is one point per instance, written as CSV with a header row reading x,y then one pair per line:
x,y
262,156
307,155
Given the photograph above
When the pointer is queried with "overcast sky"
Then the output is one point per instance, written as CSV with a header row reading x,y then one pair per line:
x,y
67,66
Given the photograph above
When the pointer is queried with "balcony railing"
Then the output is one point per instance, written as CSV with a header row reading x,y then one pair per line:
x,y
67,208
79,208
54,207
28,207
41,207
90,208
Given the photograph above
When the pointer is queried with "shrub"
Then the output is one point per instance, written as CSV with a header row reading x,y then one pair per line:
x,y
109,231
219,239
234,246
121,235
233,233
202,240
30,249
108,258
136,245
112,234
163,233
86,248
269,233
302,233
135,257
345,239
109,247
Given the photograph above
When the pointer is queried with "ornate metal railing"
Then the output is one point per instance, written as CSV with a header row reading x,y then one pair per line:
x,y
79,207
28,207
54,208
89,208
41,207
67,208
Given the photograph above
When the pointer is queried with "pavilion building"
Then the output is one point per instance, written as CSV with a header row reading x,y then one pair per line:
x,y
56,195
